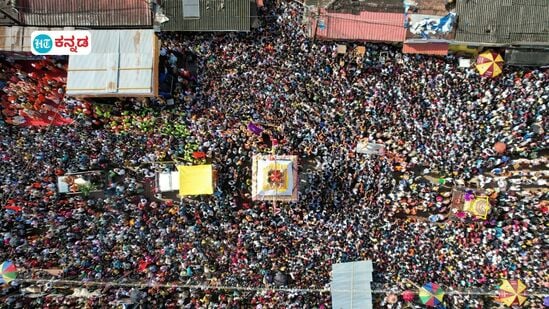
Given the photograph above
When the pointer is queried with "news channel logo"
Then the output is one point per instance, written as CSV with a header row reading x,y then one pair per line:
x,y
61,42
42,43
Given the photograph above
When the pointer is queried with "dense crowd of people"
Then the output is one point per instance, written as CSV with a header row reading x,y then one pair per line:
x,y
33,92
434,118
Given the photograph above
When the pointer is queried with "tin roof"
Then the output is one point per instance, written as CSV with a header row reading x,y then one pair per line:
x,y
430,7
215,15
86,13
426,48
354,7
503,22
366,26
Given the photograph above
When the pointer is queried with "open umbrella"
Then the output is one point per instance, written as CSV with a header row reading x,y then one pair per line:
x,y
408,295
8,272
199,155
500,147
431,294
489,64
512,292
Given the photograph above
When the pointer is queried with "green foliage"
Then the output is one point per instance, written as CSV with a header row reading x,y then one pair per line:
x,y
87,188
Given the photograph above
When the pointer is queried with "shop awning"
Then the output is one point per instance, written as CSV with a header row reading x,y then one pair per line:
x,y
426,48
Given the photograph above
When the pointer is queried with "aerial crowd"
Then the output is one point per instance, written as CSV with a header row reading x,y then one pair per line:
x,y
435,120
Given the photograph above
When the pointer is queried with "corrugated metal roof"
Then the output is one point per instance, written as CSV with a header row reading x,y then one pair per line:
x,y
503,21
122,62
215,15
426,48
354,7
86,13
366,26
431,7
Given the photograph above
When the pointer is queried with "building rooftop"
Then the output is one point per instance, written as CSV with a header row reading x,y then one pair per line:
x,y
8,14
357,6
504,22
207,15
79,13
365,26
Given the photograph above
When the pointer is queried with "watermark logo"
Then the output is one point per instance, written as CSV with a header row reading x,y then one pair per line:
x,y
42,43
61,42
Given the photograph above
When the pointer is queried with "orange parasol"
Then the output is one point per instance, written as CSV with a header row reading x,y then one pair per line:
x,y
489,64
500,147
512,292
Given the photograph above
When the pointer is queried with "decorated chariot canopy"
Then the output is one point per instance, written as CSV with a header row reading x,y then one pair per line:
x,y
274,177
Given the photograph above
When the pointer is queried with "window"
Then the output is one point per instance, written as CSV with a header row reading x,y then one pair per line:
x,y
191,9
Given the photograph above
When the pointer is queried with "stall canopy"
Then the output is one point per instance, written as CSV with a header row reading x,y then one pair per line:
x,y
426,48
350,287
121,63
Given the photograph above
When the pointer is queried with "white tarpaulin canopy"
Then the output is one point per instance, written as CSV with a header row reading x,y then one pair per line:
x,y
168,181
121,63
350,286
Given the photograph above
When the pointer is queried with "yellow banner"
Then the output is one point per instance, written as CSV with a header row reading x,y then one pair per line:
x,y
195,180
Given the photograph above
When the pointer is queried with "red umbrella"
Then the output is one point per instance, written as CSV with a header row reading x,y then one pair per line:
x,y
408,295
199,155
500,147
